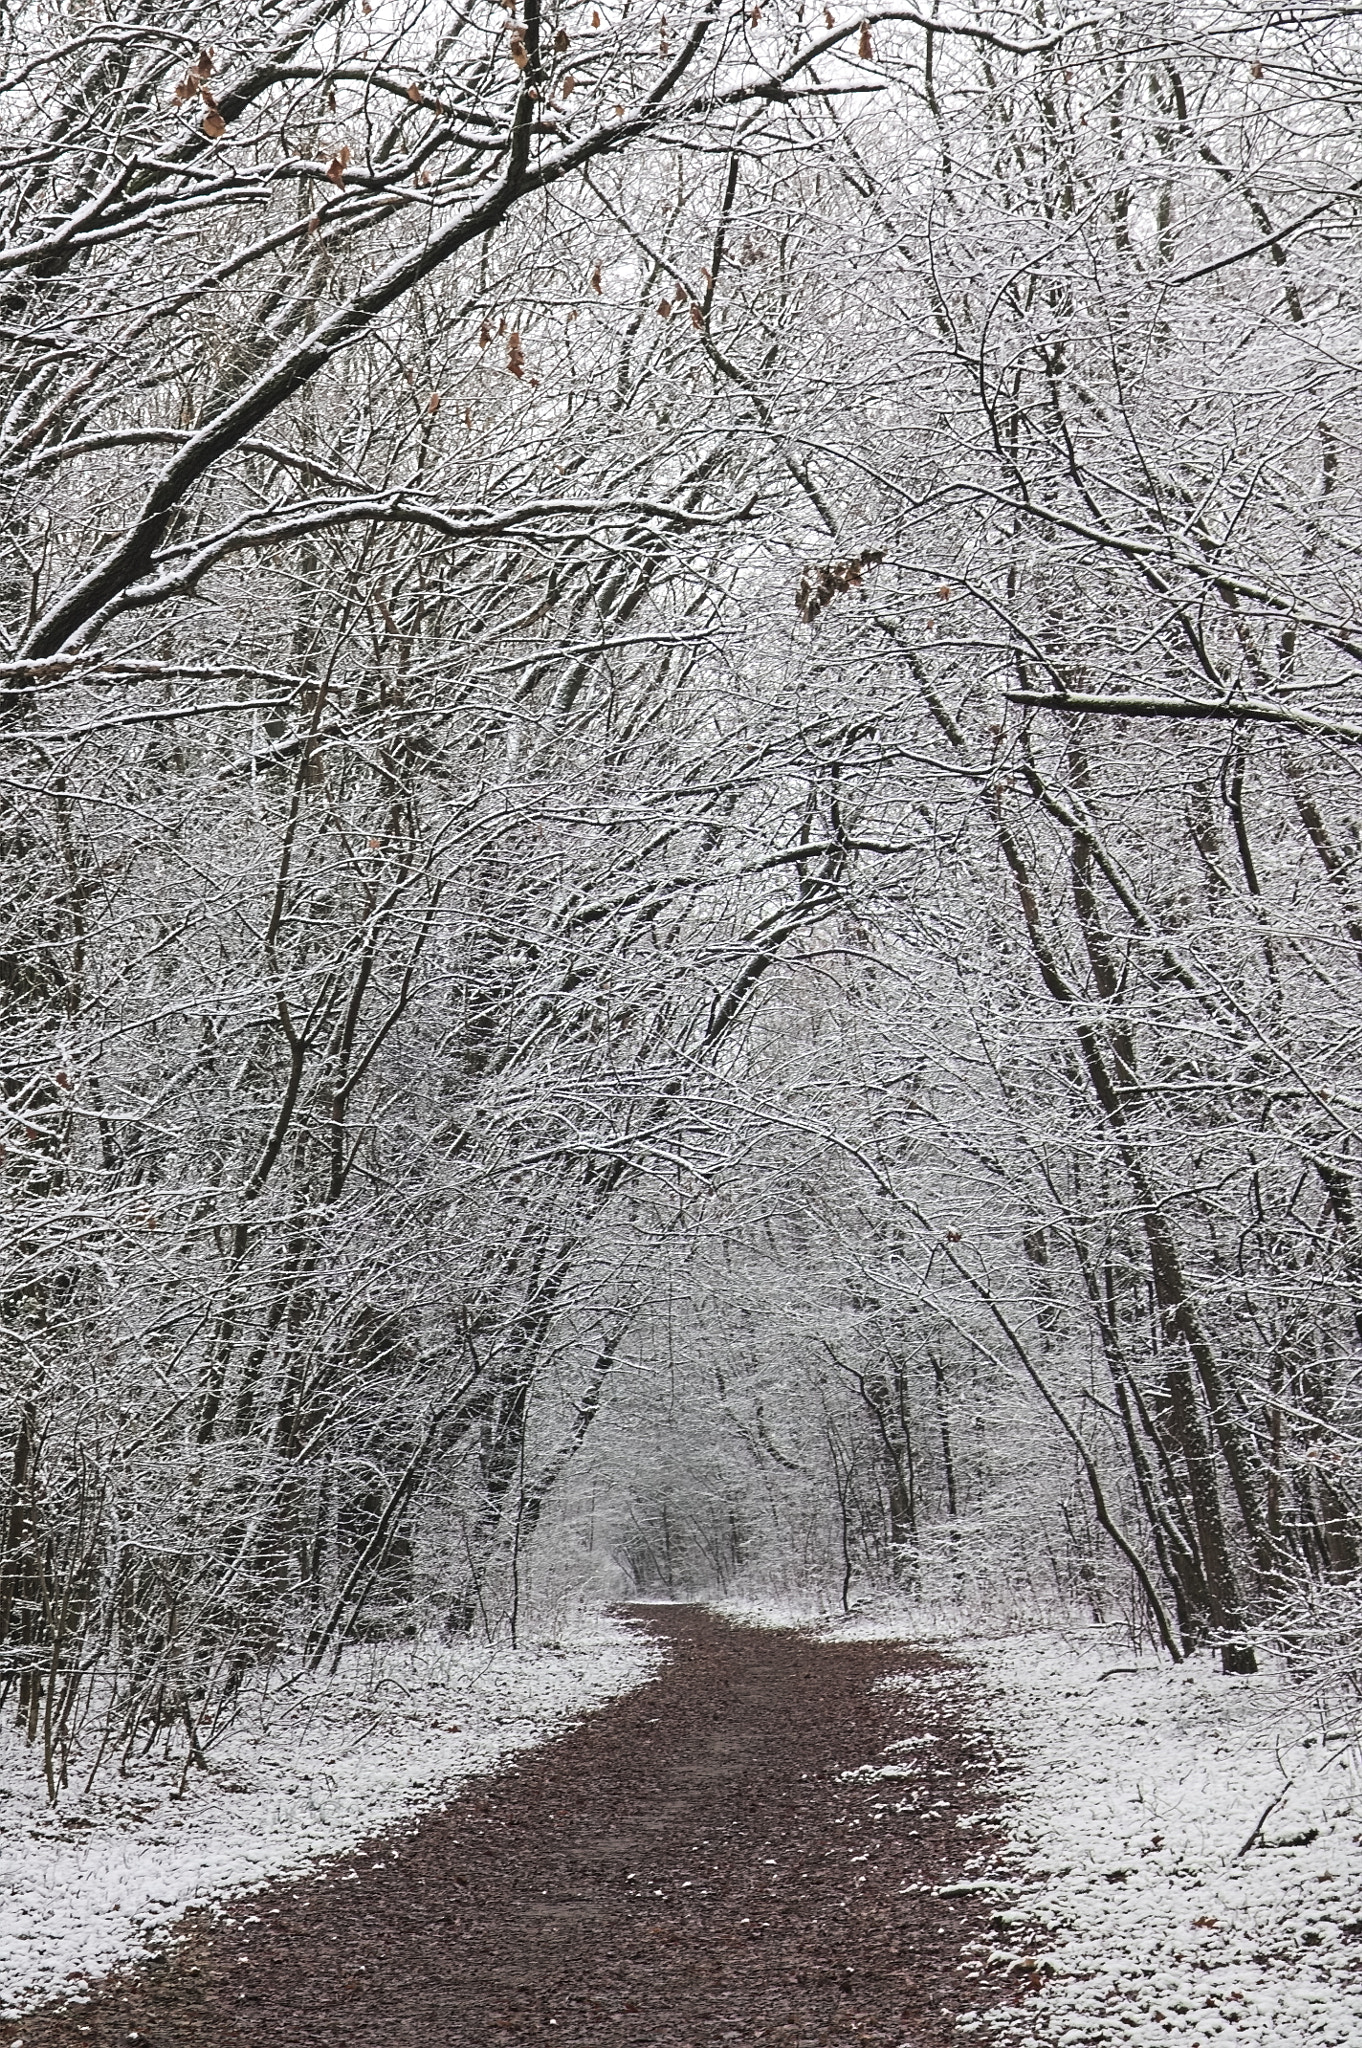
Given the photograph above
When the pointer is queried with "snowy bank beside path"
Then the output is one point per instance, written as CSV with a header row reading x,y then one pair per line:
x,y
1137,1792
312,1770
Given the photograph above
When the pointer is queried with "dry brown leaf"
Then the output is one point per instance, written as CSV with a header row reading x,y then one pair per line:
x,y
561,41
863,48
213,124
596,279
414,92
515,354
697,318
520,56
434,405
484,334
569,86
664,309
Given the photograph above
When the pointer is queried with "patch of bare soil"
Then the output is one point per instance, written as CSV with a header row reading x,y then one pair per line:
x,y
690,1866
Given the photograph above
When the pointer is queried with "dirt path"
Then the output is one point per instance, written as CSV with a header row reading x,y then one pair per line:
x,y
686,1867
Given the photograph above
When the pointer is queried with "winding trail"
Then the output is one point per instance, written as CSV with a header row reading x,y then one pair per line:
x,y
687,1867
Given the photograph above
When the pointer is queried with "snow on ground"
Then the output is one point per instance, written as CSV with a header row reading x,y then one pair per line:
x,y
1137,1792
1130,1789
314,1768
1127,1900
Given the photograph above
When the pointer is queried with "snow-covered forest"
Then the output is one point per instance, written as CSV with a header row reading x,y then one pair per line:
x,y
682,890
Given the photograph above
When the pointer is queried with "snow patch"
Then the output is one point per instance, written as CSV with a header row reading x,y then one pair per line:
x,y
1137,1793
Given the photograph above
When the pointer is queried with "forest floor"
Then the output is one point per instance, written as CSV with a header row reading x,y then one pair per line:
x,y
812,1836
774,1839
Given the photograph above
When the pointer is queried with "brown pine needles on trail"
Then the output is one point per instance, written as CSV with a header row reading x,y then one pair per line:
x,y
708,1860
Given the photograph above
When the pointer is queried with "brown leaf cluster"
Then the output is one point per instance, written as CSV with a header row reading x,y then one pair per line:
x,y
194,85
193,81
818,586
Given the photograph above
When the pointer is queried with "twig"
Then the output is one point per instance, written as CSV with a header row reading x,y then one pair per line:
x,y
1267,1811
